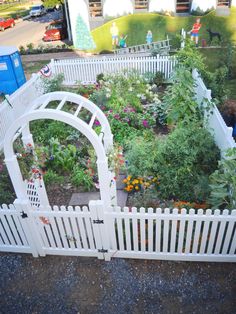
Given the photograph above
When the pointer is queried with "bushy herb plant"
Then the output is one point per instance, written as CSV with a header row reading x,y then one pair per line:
x,y
223,183
184,160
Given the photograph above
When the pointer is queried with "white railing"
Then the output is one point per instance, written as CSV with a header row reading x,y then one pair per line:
x,y
214,121
18,103
170,234
162,45
86,70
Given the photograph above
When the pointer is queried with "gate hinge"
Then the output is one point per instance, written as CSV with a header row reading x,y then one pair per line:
x,y
102,251
24,215
98,221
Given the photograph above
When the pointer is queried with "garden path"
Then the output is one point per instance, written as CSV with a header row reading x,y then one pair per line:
x,y
83,198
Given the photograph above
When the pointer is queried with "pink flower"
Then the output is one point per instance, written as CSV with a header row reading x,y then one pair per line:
x,y
117,116
145,123
96,122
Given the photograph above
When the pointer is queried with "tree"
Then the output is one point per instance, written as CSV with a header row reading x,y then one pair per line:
x,y
84,40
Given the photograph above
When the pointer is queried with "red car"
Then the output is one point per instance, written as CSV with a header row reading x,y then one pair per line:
x,y
55,31
5,23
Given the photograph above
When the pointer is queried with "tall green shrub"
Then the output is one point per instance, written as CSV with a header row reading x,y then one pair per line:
x,y
184,161
223,183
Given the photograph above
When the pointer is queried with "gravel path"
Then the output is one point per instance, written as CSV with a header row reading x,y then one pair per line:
x,y
73,285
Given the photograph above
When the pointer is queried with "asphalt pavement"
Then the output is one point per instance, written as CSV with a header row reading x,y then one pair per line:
x,y
80,285
28,31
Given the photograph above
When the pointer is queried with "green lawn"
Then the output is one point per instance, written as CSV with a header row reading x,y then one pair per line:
x,y
231,87
13,10
33,67
137,25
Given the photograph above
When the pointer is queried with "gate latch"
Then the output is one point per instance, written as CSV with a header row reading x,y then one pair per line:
x,y
102,251
98,221
24,215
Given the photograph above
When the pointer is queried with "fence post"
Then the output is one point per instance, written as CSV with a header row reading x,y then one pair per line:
x,y
100,229
30,228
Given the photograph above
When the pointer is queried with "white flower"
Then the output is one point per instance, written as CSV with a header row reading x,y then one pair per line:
x,y
108,95
138,81
154,85
130,89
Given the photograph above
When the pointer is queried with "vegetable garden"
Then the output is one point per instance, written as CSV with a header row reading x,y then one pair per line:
x,y
161,145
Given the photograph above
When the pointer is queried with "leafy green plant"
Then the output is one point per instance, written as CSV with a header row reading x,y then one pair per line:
x,y
62,159
7,194
80,178
22,50
30,47
53,84
44,130
51,177
223,183
140,156
179,98
184,160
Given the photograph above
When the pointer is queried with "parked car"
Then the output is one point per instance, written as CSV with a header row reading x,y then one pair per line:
x,y
5,23
55,31
37,10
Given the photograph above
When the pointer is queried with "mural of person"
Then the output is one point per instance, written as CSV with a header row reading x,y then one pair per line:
x,y
195,31
149,37
114,35
122,41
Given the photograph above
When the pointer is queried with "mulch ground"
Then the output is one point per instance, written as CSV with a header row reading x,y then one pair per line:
x,y
56,284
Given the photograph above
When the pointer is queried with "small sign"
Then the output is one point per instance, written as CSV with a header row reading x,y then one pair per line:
x,y
16,62
3,66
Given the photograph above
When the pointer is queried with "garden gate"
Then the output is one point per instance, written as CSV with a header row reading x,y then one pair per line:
x,y
32,198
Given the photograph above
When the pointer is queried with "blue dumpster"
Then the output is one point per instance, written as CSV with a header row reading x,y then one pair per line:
x,y
11,71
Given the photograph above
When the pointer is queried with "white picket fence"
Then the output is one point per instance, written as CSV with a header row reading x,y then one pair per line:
x,y
128,233
85,70
214,121
18,103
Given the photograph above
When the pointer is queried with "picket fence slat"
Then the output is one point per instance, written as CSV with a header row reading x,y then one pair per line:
x,y
195,235
86,70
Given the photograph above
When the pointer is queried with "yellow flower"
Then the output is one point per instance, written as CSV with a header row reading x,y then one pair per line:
x,y
136,188
125,181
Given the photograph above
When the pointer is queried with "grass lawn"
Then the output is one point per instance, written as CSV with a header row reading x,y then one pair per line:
x,y
231,87
137,25
33,67
13,10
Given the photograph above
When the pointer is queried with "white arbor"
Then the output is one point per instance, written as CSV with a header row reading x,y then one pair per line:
x,y
101,143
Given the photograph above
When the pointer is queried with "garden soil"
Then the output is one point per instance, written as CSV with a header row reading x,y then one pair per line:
x,y
61,285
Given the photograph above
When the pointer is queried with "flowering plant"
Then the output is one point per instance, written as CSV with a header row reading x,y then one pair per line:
x,y
137,184
116,159
28,162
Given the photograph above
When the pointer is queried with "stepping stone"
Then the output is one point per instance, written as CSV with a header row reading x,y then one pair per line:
x,y
80,199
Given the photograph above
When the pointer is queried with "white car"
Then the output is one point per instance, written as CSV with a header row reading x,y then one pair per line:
x,y
37,10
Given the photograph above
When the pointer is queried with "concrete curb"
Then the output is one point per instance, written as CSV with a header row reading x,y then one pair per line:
x,y
17,21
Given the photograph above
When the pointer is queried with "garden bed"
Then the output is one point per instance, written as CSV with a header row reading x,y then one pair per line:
x,y
160,143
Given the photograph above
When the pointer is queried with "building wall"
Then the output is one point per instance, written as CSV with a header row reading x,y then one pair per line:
x,y
162,6
117,8
203,5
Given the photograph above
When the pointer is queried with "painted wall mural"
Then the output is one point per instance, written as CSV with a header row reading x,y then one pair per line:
x,y
80,29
